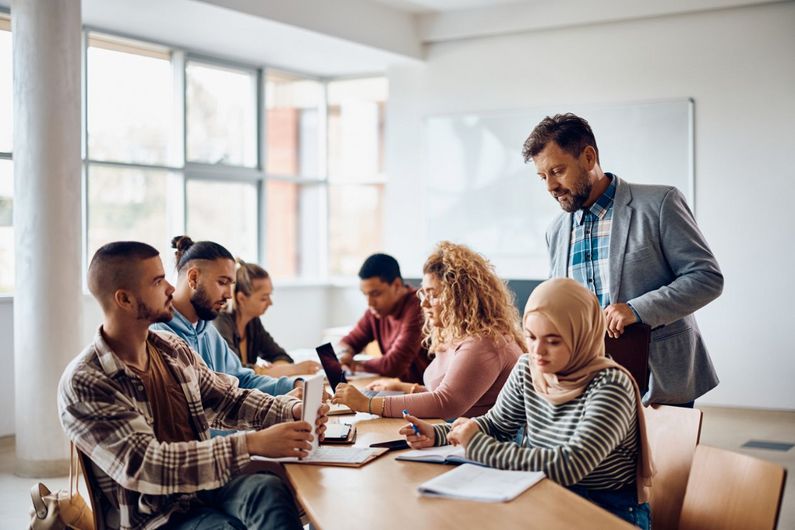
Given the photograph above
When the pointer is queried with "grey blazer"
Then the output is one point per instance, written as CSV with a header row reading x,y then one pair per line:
x,y
660,264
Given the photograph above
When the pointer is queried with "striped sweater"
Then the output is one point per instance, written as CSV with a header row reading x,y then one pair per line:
x,y
591,441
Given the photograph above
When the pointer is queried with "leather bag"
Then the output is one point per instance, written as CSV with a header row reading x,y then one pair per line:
x,y
62,509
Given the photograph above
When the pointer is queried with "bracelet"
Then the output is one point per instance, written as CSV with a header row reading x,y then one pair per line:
x,y
383,406
370,405
413,388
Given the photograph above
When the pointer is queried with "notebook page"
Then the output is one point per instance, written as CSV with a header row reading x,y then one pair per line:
x,y
478,483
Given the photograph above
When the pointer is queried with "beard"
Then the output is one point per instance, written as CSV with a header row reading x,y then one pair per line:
x,y
154,315
578,194
203,305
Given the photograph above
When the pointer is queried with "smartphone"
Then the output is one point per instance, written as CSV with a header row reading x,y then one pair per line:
x,y
392,445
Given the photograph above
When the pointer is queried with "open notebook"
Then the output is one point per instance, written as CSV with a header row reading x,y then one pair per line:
x,y
446,454
484,484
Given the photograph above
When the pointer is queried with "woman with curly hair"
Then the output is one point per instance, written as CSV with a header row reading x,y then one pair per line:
x,y
471,328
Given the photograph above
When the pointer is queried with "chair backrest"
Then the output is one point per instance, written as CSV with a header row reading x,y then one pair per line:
x,y
631,350
673,434
94,492
730,490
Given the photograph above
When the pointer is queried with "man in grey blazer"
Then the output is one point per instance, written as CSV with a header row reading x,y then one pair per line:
x,y
637,247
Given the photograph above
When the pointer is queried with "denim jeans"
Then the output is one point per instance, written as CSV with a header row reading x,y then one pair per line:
x,y
622,503
257,501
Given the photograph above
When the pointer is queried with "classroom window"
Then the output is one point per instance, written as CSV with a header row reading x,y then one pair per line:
x,y
356,113
295,223
6,98
224,212
221,115
131,111
6,165
6,226
131,204
293,108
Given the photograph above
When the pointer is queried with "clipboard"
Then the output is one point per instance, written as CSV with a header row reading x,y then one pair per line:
x,y
631,350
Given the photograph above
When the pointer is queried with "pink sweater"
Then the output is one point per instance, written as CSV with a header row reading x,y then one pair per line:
x,y
463,380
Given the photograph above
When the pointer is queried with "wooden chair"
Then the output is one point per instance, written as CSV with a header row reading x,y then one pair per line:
x,y
95,495
730,490
631,350
673,434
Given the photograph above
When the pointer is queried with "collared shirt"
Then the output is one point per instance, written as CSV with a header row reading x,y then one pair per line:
x,y
104,410
590,244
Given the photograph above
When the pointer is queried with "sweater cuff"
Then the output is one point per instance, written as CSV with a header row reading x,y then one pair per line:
x,y
440,433
240,454
285,410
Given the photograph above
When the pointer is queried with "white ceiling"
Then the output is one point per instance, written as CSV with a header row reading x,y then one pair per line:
x,y
328,38
210,29
434,6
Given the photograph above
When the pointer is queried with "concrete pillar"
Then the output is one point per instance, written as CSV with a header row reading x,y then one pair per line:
x,y
47,223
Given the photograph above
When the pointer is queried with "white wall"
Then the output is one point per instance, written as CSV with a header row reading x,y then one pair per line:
x,y
738,65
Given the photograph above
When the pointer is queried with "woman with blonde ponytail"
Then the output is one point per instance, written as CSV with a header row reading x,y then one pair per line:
x,y
241,327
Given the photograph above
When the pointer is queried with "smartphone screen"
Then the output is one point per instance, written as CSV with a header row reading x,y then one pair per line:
x,y
392,445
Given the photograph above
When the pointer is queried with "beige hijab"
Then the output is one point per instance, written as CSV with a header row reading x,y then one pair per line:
x,y
576,314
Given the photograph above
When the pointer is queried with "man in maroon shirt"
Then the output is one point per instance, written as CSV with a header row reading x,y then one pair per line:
x,y
393,318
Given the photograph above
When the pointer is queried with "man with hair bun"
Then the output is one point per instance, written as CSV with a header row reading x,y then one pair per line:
x,y
205,277
140,403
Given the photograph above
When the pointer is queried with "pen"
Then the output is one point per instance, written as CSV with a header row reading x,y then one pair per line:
x,y
416,430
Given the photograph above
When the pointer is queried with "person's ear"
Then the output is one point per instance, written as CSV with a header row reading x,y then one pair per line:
x,y
123,299
588,157
193,277
239,296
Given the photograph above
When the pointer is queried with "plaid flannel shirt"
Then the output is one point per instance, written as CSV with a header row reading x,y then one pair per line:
x,y
104,410
590,245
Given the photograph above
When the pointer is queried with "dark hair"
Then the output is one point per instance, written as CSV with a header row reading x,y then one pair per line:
x,y
570,132
187,251
382,266
114,266
246,274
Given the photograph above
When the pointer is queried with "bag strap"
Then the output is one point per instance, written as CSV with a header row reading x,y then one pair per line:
x,y
37,494
74,470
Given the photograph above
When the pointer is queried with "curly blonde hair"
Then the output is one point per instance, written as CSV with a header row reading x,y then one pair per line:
x,y
474,300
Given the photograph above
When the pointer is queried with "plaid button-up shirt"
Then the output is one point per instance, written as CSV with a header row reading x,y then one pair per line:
x,y
590,244
105,412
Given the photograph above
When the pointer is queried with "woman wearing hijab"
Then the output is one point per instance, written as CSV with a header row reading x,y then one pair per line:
x,y
580,411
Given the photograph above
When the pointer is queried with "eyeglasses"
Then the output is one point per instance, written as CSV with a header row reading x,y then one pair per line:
x,y
424,295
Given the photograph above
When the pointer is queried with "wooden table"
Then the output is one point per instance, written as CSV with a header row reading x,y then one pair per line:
x,y
383,495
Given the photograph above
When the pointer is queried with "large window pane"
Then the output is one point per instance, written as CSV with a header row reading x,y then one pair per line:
x,y
131,110
221,115
356,129
295,220
224,212
132,204
355,229
292,119
6,98
6,227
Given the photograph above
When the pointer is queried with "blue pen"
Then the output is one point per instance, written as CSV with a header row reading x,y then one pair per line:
x,y
416,430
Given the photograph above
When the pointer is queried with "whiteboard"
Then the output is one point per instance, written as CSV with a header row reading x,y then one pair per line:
x,y
478,191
